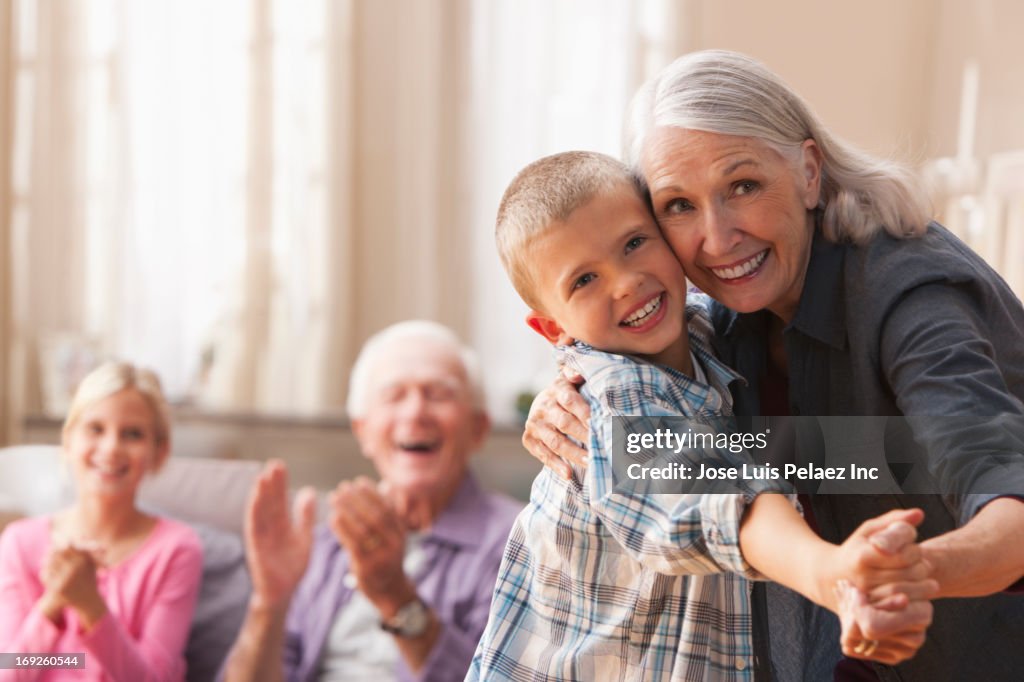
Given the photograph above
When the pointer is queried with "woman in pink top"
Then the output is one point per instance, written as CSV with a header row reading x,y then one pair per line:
x,y
102,579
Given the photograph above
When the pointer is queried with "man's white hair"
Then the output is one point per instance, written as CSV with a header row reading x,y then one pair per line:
x,y
410,331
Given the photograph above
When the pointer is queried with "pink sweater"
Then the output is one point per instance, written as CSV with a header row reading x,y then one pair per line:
x,y
150,598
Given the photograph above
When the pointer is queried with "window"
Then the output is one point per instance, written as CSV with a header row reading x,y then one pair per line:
x,y
238,193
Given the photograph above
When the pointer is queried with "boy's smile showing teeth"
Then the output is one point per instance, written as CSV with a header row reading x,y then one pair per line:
x,y
642,315
742,269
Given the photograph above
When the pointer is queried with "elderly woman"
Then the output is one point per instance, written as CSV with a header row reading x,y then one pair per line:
x,y
103,578
836,296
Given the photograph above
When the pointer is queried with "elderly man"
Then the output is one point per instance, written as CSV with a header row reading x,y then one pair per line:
x,y
398,584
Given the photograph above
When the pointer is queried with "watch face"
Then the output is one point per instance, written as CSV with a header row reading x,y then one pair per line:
x,y
410,621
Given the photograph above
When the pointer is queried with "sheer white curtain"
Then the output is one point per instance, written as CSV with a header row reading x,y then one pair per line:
x,y
128,180
8,406
236,193
46,212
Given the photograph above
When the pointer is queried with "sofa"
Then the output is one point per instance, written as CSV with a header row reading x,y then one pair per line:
x,y
208,494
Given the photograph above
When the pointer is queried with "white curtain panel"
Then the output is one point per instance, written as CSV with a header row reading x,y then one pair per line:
x,y
9,405
45,216
1004,205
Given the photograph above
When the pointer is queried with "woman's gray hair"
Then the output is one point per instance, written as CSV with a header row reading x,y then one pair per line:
x,y
729,93
410,331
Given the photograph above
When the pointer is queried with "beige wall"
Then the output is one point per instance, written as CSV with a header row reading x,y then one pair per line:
x,y
861,65
885,74
989,31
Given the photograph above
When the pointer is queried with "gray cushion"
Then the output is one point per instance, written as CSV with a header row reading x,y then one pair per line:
x,y
223,599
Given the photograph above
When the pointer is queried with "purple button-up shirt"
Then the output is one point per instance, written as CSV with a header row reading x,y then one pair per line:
x,y
462,552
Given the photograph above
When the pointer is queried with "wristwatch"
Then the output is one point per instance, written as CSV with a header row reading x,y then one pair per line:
x,y
410,621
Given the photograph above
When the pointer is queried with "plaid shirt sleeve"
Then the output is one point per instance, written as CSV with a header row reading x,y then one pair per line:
x,y
676,534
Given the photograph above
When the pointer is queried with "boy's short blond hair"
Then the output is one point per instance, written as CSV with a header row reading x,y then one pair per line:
x,y
547,191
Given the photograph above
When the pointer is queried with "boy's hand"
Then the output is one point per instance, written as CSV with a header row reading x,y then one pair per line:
x,y
558,414
879,552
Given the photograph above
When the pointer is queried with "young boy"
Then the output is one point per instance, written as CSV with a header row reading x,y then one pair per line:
x,y
626,586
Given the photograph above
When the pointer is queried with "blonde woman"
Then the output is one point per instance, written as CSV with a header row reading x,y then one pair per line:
x,y
103,579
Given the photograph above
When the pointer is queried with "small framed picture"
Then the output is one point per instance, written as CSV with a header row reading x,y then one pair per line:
x,y
65,359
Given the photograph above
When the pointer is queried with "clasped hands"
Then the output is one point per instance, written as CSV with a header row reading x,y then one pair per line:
x,y
68,575
880,588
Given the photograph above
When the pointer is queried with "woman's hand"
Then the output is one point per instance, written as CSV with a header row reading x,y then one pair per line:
x,y
885,622
278,543
51,603
558,414
69,574
888,631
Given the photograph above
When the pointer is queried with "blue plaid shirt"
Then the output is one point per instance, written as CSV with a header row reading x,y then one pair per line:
x,y
625,586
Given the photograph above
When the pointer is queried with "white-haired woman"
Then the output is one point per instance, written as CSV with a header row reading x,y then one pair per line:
x,y
837,296
103,579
